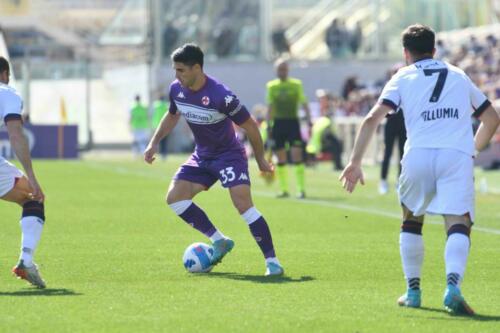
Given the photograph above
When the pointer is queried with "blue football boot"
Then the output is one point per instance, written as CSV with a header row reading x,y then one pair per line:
x,y
411,299
274,269
221,248
455,303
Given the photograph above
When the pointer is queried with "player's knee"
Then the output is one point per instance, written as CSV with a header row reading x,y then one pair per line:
x,y
408,215
242,205
169,199
34,208
412,227
172,197
459,229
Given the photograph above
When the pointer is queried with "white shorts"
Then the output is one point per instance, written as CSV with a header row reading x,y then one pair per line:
x,y
437,181
8,175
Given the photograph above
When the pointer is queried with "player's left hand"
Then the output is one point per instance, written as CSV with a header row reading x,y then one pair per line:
x,y
37,193
350,177
149,154
265,166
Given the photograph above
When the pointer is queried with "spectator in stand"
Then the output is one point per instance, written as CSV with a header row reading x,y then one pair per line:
x,y
170,38
356,36
474,45
337,39
350,85
441,50
248,39
479,58
492,42
224,40
280,42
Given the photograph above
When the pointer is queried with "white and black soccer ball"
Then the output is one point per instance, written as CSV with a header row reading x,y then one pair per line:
x,y
198,257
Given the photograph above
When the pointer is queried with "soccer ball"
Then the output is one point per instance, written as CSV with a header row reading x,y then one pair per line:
x,y
198,257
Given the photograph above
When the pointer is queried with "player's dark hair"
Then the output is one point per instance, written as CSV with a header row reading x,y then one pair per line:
x,y
4,65
189,54
418,39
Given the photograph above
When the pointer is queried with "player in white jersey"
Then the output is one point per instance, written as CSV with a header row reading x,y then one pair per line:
x,y
438,101
17,187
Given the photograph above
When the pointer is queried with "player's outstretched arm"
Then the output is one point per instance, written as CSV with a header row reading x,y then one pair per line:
x,y
19,143
489,124
253,134
352,172
166,126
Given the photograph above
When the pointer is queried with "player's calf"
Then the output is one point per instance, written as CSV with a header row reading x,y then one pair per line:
x,y
456,253
412,255
32,222
262,235
196,217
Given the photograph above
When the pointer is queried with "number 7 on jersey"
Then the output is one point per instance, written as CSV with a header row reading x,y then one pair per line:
x,y
438,88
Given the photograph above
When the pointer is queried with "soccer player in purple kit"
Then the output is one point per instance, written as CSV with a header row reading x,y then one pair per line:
x,y
210,109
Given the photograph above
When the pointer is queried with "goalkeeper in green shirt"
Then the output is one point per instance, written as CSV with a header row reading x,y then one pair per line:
x,y
284,97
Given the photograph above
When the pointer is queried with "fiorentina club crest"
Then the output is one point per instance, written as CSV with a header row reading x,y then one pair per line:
x,y
205,100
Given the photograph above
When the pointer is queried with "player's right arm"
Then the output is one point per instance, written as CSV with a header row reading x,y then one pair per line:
x,y
389,100
19,143
167,124
352,172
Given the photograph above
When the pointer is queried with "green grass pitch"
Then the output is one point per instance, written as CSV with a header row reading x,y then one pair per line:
x,y
111,255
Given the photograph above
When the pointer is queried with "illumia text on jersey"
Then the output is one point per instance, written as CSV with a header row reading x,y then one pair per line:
x,y
429,115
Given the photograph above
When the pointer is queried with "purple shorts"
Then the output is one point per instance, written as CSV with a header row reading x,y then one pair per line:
x,y
230,168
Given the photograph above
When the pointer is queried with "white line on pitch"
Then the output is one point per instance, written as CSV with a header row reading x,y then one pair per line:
x,y
326,203
319,202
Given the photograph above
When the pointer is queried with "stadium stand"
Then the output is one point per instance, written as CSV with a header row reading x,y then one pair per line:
x,y
109,39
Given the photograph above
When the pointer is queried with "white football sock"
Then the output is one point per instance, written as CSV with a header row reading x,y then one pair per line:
x,y
456,253
251,215
31,227
411,247
180,207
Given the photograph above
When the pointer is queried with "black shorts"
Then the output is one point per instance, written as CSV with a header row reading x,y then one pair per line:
x,y
286,131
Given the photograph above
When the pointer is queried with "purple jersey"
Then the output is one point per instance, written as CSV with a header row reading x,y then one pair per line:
x,y
210,113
